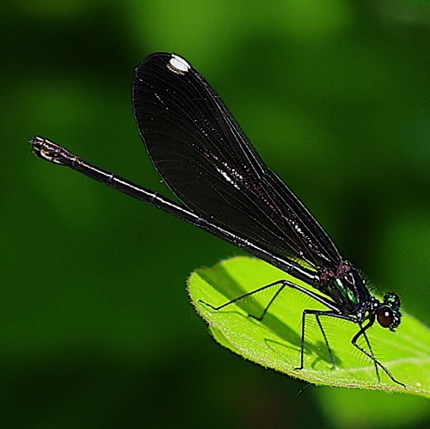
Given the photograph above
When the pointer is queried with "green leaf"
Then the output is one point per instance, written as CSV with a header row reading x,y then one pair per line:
x,y
274,342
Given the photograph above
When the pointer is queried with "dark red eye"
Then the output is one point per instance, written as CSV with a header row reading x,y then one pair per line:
x,y
385,316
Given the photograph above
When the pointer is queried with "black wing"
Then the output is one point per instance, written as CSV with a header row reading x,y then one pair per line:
x,y
208,162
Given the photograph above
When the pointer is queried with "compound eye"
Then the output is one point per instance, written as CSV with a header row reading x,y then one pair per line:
x,y
385,316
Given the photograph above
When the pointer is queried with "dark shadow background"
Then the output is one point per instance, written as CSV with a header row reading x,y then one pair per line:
x,y
96,327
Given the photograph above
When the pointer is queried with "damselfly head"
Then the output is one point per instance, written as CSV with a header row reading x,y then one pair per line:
x,y
388,313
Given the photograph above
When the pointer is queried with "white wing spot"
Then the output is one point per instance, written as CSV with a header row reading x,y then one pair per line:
x,y
178,65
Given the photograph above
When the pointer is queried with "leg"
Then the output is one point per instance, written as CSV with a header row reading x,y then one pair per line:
x,y
317,314
369,345
370,354
280,283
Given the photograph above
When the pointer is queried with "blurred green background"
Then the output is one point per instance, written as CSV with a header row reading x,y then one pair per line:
x,y
96,326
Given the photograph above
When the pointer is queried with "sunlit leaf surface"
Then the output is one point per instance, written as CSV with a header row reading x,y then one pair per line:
x,y
275,341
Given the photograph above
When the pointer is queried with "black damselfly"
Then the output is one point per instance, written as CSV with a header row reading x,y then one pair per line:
x,y
207,161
